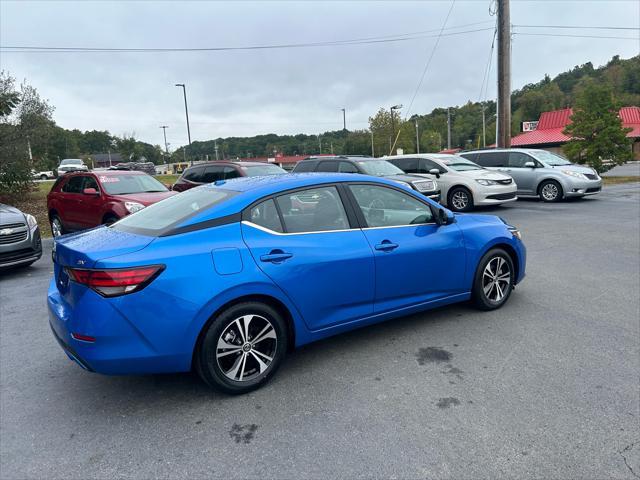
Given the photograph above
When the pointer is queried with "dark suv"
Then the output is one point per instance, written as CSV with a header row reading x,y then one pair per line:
x,y
223,170
376,167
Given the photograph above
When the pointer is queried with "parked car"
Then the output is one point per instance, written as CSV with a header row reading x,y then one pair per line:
x,y
223,170
147,167
463,183
376,167
84,200
540,173
20,243
71,165
227,277
44,175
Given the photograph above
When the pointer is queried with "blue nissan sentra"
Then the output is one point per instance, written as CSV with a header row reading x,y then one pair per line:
x,y
227,277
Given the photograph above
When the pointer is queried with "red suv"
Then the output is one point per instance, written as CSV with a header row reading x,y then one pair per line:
x,y
222,170
84,200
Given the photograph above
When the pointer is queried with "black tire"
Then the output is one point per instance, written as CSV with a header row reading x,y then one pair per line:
x,y
488,300
461,197
109,219
56,225
44,177
217,365
550,191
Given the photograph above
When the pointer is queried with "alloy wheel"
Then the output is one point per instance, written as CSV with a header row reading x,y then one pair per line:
x,y
460,200
56,227
550,191
246,348
496,279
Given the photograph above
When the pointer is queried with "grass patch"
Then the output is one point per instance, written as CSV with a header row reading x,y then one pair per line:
x,y
618,180
167,179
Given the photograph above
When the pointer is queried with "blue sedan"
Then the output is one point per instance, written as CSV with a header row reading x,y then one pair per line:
x,y
227,277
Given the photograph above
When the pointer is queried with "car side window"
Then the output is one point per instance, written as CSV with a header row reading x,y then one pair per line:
x,y
308,166
387,207
426,165
194,174
346,167
211,174
229,173
73,185
327,166
518,159
90,182
266,215
407,165
491,159
312,210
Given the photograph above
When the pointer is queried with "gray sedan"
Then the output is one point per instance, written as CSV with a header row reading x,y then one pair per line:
x,y
20,243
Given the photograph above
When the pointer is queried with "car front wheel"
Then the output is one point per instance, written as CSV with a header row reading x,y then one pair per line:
x,y
460,199
494,279
242,348
550,191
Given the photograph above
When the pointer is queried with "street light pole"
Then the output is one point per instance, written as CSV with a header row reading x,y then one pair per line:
x,y
417,138
393,125
344,119
372,152
186,111
166,147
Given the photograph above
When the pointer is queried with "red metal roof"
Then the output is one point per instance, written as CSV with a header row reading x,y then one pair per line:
x,y
551,125
450,151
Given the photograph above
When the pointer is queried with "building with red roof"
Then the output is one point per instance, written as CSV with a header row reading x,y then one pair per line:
x,y
548,134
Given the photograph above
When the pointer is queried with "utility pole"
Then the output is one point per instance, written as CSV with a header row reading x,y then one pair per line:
x,y
417,138
320,143
164,132
393,127
484,127
504,75
448,129
372,152
186,111
344,119
215,146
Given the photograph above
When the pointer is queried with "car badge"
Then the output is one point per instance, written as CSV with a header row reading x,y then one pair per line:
x,y
80,262
6,231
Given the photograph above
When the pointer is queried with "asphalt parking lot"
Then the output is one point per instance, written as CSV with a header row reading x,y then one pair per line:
x,y
546,387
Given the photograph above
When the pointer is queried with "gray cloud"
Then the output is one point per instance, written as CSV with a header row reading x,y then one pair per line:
x,y
286,90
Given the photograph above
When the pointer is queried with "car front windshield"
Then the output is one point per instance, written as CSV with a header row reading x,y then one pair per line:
x,y
379,168
160,217
125,184
551,159
460,164
256,170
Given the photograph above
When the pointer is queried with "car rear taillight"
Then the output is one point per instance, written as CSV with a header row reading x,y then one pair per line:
x,y
115,282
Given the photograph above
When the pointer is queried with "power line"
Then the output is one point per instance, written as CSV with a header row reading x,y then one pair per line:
x,y
574,36
363,41
424,72
485,79
582,27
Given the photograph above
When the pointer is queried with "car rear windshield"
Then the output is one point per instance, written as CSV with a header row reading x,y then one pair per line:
x,y
379,168
124,184
159,218
255,170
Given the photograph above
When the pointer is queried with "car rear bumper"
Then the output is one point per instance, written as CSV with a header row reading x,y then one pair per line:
x,y
119,348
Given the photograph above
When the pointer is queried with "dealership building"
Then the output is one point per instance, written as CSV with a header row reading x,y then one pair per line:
x,y
547,134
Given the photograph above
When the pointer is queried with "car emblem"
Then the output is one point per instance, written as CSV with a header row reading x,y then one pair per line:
x,y
80,262
6,231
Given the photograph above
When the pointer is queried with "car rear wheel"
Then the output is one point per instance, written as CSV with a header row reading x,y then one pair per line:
x,y
550,191
109,219
460,199
43,177
57,228
242,348
494,279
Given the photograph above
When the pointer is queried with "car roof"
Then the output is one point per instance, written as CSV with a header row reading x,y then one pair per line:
x,y
108,173
241,163
489,150
352,158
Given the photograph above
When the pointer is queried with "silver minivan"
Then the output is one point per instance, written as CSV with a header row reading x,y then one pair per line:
x,y
540,173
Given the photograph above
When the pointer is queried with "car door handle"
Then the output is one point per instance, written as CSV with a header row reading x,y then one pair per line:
x,y
275,256
386,246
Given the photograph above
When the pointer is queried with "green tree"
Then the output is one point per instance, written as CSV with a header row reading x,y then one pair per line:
x,y
596,128
430,141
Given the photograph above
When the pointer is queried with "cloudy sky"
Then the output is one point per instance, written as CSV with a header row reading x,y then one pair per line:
x,y
287,90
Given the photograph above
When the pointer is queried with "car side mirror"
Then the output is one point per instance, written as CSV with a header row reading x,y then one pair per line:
x,y
530,165
444,218
435,171
90,191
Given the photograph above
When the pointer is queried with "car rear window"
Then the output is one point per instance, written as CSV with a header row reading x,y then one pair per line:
x,y
255,170
124,184
159,218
